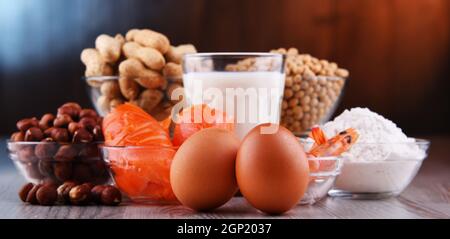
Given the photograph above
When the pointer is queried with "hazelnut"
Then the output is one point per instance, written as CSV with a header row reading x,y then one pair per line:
x,y
25,124
82,136
48,131
34,134
68,110
63,191
98,134
71,109
88,123
31,197
49,182
111,196
73,126
66,153
80,195
45,167
89,151
62,120
62,170
46,195
18,136
90,185
96,193
88,113
23,192
60,135
46,121
46,149
71,104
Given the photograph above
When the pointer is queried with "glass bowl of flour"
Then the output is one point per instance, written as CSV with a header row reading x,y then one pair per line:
x,y
382,163
375,173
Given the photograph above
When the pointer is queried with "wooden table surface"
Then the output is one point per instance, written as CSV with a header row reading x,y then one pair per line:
x,y
428,196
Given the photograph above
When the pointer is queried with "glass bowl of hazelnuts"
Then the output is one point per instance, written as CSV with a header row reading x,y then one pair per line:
x,y
61,147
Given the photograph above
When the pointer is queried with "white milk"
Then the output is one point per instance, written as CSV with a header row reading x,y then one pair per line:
x,y
251,98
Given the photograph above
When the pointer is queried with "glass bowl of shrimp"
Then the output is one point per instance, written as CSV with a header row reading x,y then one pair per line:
x,y
324,161
322,175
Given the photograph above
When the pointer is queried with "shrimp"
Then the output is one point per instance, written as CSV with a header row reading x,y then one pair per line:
x,y
334,146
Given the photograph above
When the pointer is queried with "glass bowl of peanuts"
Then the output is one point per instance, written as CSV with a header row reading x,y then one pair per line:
x,y
313,89
141,67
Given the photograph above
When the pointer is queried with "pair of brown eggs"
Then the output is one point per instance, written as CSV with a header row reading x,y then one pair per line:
x,y
270,170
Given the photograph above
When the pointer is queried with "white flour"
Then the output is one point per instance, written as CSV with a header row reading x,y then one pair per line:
x,y
383,159
379,138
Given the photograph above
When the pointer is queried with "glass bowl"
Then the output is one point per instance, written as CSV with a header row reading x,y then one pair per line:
x,y
310,101
386,175
142,173
42,162
323,172
157,103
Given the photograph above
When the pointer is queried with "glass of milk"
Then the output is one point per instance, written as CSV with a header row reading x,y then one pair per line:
x,y
247,86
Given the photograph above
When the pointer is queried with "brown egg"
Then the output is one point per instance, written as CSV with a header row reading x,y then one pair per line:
x,y
272,170
202,174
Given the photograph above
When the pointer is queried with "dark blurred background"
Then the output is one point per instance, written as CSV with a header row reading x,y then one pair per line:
x,y
397,51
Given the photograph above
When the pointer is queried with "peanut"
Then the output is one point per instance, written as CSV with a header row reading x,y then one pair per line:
x,y
143,59
108,47
110,89
115,102
130,34
172,71
149,99
151,39
129,87
171,88
145,77
95,65
176,53
120,39
152,58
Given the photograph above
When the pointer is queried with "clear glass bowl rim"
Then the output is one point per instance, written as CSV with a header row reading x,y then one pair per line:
x,y
233,55
9,142
100,78
102,146
418,141
335,172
